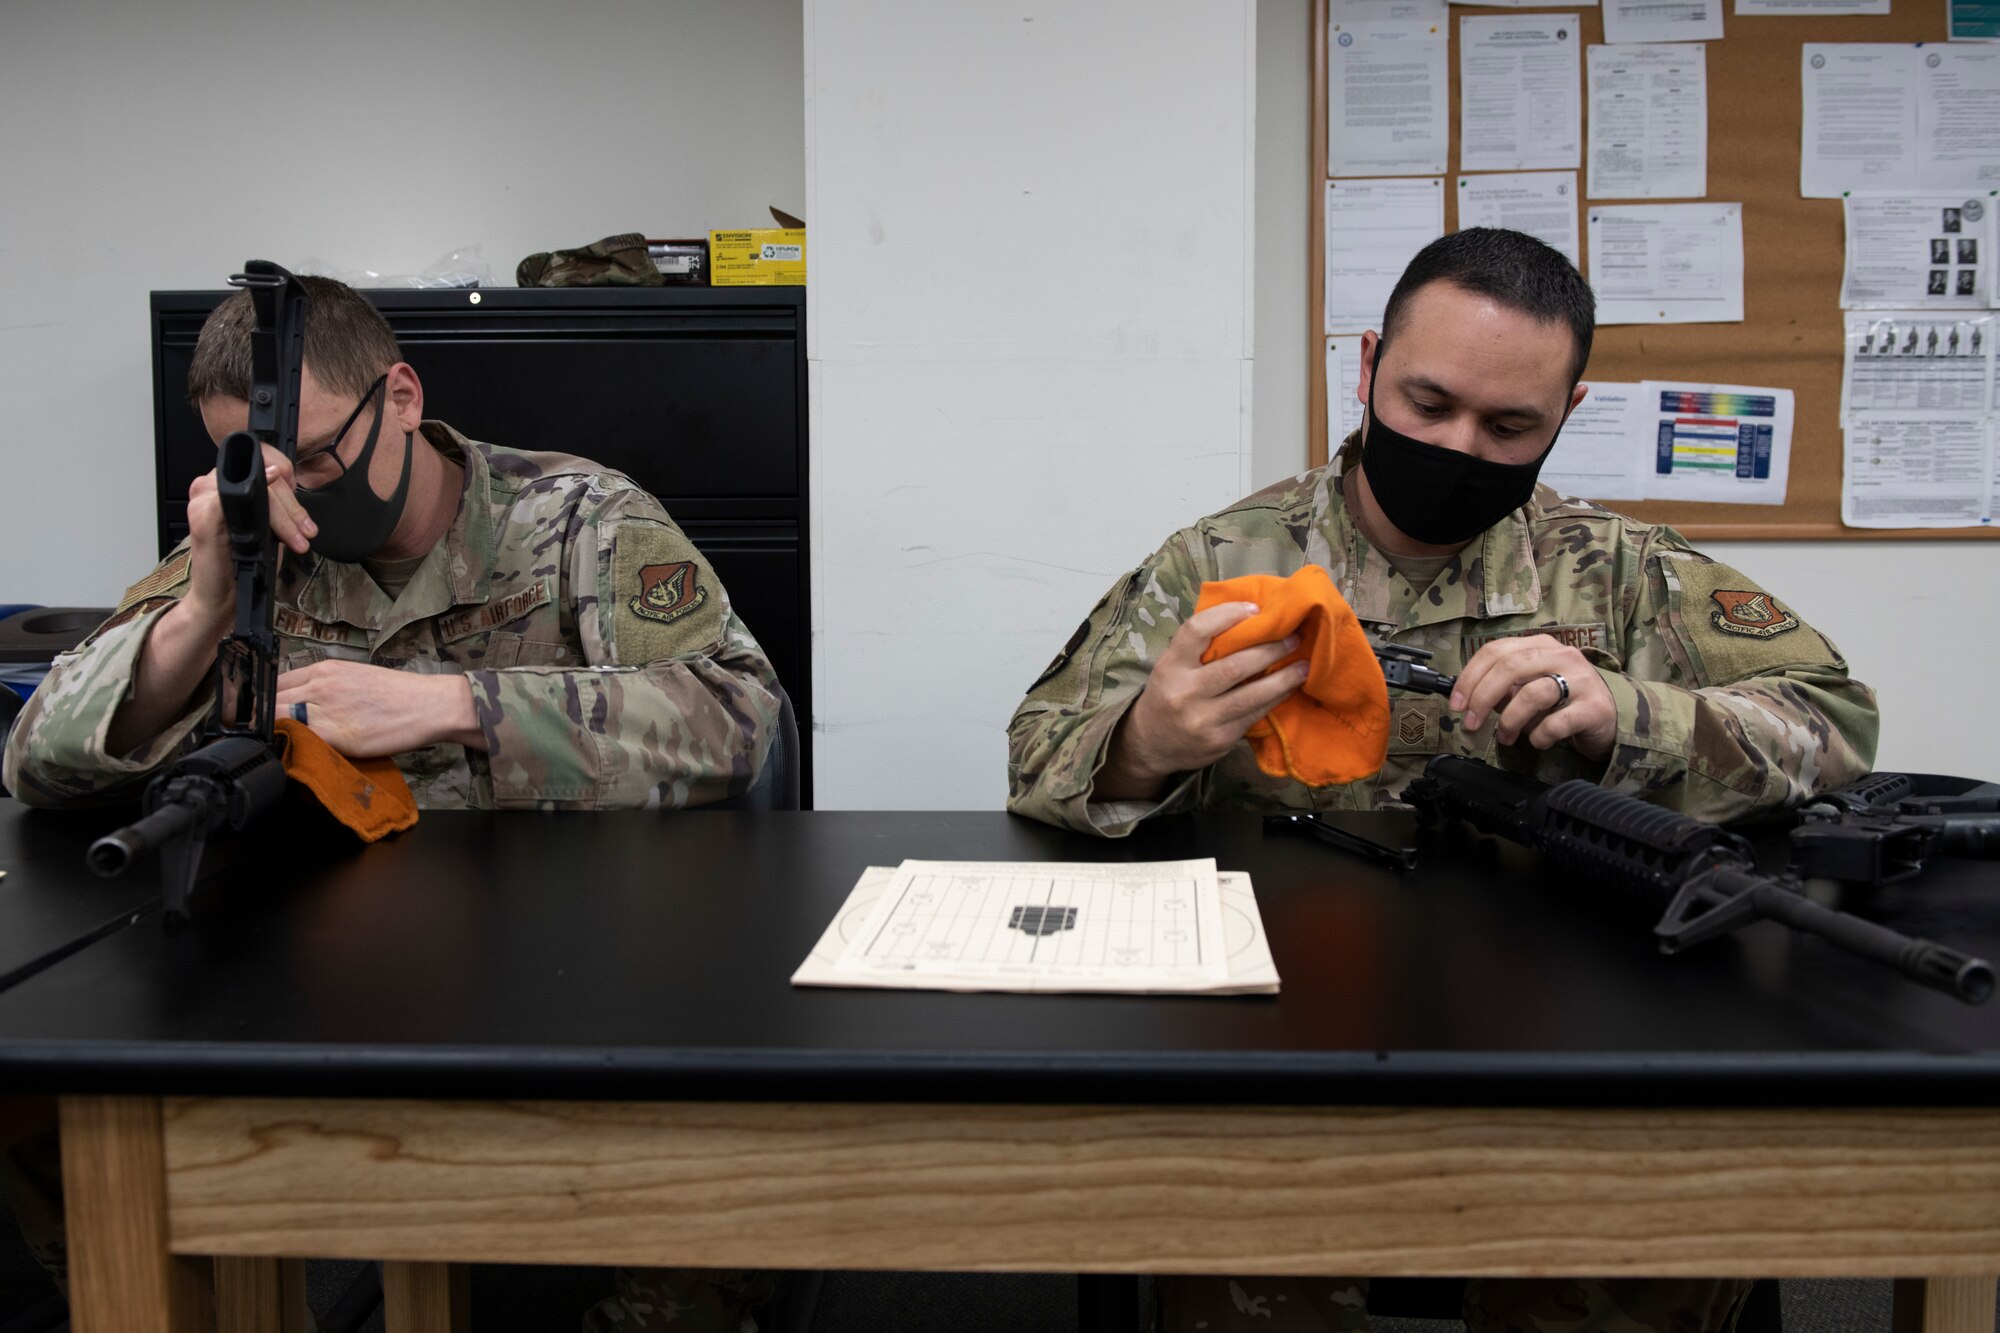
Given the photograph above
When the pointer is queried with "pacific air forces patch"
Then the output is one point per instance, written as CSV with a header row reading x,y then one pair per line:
x,y
663,600
1750,612
668,592
1727,628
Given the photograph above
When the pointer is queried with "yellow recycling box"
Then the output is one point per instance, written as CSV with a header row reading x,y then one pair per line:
x,y
761,257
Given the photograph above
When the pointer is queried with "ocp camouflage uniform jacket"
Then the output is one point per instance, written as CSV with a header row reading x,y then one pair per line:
x,y
1727,702
607,666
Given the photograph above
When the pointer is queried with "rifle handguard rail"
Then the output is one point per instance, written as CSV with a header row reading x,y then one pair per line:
x,y
1701,879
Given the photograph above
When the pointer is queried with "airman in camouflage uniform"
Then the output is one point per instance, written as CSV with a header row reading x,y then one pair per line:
x,y
1586,645
607,666
604,664
1727,702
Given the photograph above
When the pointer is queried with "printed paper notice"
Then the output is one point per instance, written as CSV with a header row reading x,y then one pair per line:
x,y
1373,230
1520,93
1540,203
1667,263
1343,391
1901,363
1179,927
1918,251
1343,12
1917,404
1719,442
1605,449
1934,472
1811,8
1879,116
1387,98
1649,121
1662,21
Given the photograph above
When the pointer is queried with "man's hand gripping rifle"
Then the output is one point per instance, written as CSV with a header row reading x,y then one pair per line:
x,y
235,774
1703,879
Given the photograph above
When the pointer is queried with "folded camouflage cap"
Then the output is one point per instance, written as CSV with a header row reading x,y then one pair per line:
x,y
615,261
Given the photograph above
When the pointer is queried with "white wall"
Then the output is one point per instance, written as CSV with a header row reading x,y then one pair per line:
x,y
1031,245
1920,621
1062,405
159,145
1284,166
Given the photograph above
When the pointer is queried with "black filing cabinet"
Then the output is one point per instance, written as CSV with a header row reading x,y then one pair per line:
x,y
696,393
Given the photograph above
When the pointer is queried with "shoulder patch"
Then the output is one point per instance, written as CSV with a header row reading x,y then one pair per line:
x,y
663,599
1731,629
668,592
170,574
1062,658
1744,611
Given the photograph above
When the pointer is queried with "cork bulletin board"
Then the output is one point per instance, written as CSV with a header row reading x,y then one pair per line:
x,y
1793,249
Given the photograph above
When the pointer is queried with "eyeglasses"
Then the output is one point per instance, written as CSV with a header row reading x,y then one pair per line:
x,y
319,461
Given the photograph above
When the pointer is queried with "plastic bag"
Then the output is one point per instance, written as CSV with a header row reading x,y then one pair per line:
x,y
463,267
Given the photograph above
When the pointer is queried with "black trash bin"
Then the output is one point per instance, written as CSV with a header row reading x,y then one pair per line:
x,y
30,638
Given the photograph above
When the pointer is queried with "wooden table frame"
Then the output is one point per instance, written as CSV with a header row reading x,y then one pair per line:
x,y
157,1184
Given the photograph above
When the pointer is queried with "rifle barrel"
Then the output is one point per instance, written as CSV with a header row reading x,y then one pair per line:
x,y
112,854
1923,961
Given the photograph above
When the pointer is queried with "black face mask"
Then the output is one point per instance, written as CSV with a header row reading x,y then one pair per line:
x,y
354,522
1435,495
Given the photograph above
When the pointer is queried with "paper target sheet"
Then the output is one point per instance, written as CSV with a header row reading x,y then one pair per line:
x,y
1142,928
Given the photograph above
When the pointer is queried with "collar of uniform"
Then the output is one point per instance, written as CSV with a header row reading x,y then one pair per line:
x,y
1494,575
337,593
469,542
334,593
1464,588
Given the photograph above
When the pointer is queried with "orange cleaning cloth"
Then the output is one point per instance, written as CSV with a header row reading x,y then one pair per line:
x,y
368,795
1335,728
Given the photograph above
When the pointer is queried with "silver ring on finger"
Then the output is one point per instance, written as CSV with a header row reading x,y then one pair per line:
x,y
299,713
1562,690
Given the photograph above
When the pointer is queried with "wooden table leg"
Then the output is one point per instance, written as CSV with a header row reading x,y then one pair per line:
x,y
1944,1305
260,1295
426,1298
121,1278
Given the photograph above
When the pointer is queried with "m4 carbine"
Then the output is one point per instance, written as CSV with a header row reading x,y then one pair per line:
x,y
1886,826
1701,878
235,774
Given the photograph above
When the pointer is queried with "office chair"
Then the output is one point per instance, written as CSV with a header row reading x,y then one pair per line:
x,y
10,708
777,786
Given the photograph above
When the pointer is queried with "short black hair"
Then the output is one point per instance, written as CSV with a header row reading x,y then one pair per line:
x,y
1510,267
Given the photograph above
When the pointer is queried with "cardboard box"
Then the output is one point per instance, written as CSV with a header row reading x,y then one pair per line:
x,y
759,257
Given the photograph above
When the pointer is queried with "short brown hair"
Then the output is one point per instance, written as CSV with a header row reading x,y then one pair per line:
x,y
348,343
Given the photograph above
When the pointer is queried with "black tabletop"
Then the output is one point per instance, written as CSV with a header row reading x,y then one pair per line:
x,y
49,906
649,955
